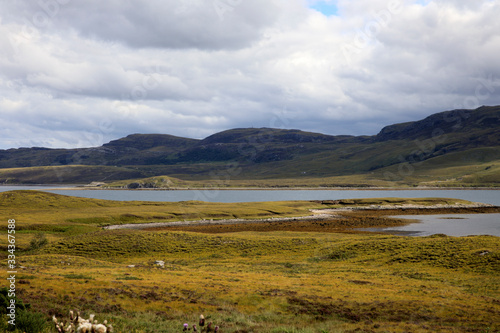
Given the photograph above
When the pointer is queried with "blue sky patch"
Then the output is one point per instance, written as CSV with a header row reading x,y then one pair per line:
x,y
327,8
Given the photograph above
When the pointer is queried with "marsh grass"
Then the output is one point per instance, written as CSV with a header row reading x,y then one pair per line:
x,y
129,278
429,284
78,276
277,281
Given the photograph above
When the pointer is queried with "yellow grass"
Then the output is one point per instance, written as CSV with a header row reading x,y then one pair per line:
x,y
277,281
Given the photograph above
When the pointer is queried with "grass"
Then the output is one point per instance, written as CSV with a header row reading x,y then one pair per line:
x,y
248,281
163,182
477,167
295,281
39,210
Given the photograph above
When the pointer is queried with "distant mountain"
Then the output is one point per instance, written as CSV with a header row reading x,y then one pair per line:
x,y
149,141
459,137
456,121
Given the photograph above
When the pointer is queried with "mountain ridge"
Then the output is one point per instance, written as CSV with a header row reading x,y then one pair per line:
x,y
277,153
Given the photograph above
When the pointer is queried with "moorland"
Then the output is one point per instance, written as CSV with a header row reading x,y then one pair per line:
x,y
306,276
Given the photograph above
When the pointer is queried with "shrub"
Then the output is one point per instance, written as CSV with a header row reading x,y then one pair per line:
x,y
38,242
339,255
31,322
5,301
26,321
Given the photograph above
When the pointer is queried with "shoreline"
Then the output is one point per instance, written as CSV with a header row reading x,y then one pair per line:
x,y
317,215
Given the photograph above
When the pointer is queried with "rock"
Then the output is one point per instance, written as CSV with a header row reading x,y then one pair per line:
x,y
95,184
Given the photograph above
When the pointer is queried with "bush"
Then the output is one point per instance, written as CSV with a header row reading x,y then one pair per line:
x,y
31,322
26,321
339,255
5,301
38,241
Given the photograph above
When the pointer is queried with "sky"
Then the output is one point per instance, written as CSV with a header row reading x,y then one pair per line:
x,y
80,73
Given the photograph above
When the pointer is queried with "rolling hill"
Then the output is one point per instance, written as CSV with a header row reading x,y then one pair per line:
x,y
451,148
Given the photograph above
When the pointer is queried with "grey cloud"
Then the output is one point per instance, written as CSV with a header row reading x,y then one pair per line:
x,y
188,71
211,25
434,63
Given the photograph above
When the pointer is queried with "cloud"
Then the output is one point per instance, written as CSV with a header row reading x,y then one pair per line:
x,y
153,24
76,73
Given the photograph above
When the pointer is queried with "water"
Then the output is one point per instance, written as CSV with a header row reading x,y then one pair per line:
x,y
484,196
5,188
448,224
452,225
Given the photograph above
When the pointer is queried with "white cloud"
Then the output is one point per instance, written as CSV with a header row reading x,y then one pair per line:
x,y
191,68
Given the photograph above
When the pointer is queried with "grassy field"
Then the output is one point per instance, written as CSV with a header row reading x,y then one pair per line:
x,y
321,279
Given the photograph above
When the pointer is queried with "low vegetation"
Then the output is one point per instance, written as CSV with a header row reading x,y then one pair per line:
x,y
280,280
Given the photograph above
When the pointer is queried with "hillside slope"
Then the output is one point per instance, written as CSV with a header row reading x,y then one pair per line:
x,y
468,137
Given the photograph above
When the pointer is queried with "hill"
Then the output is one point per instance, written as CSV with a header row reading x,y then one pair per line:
x,y
458,147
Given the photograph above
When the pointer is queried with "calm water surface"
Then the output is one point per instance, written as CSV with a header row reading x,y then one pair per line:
x,y
448,224
484,196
